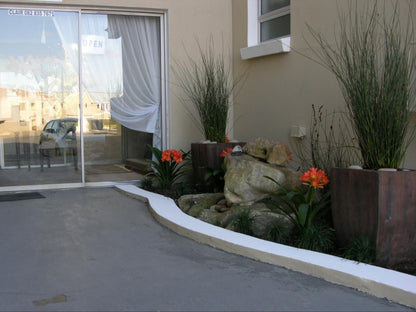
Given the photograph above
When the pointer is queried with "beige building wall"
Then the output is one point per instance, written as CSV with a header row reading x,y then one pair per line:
x,y
189,22
280,89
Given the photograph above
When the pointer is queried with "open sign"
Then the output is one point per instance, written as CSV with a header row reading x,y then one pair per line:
x,y
93,44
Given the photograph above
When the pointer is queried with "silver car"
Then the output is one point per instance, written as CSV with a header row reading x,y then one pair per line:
x,y
58,134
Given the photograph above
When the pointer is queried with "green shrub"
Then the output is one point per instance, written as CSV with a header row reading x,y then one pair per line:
x,y
242,221
317,237
278,232
214,179
360,249
147,183
182,188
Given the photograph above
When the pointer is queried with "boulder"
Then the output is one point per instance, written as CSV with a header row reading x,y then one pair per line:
x,y
200,206
245,179
193,204
279,154
272,151
263,221
258,148
209,216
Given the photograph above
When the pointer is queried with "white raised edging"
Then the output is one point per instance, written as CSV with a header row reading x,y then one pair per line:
x,y
377,281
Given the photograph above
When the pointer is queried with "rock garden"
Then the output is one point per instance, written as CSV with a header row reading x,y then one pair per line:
x,y
347,194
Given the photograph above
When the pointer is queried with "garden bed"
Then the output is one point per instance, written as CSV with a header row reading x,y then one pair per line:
x,y
211,208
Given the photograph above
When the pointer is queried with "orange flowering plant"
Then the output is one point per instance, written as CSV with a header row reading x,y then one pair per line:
x,y
299,205
315,178
226,151
167,166
172,156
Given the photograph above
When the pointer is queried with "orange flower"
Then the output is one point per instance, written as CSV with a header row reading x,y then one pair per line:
x,y
226,151
177,156
170,155
315,178
166,156
227,139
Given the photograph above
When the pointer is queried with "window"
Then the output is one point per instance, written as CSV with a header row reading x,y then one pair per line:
x,y
268,28
274,19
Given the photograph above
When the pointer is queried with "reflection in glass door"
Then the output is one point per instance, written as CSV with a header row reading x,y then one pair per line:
x,y
39,102
63,120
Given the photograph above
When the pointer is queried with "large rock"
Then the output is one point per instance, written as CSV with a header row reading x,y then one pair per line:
x,y
194,204
207,207
271,151
200,206
246,182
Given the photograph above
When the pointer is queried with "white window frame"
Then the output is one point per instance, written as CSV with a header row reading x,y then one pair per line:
x,y
256,48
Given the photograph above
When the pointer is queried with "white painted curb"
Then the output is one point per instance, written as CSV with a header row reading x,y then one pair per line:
x,y
377,281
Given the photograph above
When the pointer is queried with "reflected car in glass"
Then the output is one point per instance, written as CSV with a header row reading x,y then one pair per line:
x,y
59,133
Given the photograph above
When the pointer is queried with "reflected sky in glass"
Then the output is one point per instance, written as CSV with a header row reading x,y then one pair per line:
x,y
29,35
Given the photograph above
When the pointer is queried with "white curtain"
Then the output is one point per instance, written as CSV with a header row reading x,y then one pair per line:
x,y
139,106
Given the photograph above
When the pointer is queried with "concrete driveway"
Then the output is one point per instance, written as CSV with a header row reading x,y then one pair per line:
x,y
95,249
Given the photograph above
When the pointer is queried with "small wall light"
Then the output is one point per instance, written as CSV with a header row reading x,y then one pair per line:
x,y
297,132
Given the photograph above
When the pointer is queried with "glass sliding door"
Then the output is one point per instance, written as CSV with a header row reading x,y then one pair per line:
x,y
39,102
121,80
77,104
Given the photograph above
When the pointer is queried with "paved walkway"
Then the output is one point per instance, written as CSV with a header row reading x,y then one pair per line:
x,y
99,250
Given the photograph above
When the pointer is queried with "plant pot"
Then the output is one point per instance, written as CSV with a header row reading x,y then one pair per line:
x,y
380,204
206,156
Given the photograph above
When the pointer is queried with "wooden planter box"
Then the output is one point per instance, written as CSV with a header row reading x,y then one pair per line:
x,y
379,204
206,156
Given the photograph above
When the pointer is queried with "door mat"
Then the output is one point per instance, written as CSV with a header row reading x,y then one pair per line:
x,y
20,196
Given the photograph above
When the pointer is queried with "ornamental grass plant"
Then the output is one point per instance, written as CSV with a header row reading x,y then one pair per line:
x,y
360,249
373,62
208,85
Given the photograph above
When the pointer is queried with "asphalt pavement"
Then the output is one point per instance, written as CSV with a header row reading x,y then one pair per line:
x,y
96,249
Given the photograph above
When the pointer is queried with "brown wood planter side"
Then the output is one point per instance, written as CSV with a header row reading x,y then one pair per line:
x,y
380,204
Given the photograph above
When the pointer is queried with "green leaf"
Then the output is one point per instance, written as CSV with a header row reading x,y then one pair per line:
x,y
303,213
290,195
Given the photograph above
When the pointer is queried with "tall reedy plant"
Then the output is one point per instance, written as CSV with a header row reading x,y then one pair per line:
x,y
208,84
373,63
